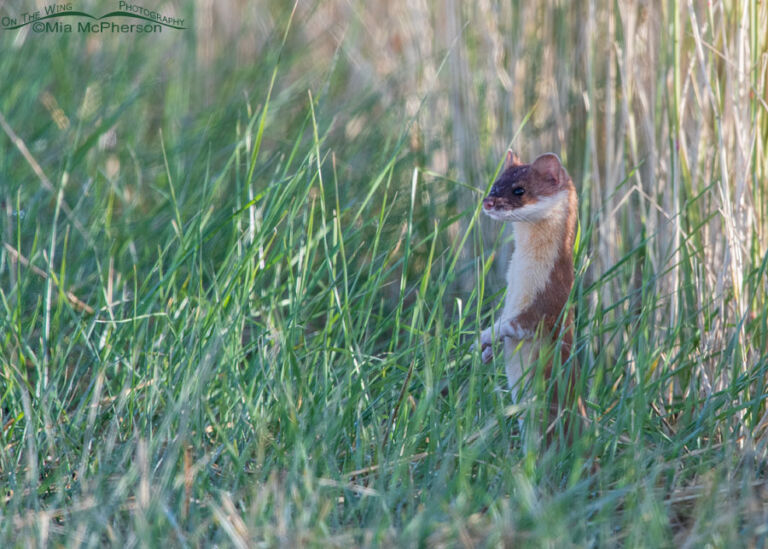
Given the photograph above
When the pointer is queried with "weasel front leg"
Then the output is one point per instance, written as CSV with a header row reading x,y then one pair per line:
x,y
516,329
512,328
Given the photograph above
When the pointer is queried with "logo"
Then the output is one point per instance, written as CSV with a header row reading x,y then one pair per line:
x,y
63,18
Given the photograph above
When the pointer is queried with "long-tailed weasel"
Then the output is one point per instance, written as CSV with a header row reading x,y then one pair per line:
x,y
540,200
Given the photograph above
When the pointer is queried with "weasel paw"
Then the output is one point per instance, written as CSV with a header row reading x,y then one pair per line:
x,y
486,338
487,354
485,345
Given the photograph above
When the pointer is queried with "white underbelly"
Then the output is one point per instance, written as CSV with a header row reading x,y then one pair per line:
x,y
517,362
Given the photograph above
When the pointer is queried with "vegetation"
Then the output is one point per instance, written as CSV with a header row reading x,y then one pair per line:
x,y
243,263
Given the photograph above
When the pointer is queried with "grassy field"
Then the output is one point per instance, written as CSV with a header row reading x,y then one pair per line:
x,y
242,265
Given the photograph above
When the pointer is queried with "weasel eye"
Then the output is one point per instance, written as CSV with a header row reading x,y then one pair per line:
x,y
518,191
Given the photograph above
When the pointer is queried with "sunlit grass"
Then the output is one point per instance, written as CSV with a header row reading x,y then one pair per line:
x,y
237,299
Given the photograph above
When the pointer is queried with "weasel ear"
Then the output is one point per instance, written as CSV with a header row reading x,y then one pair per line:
x,y
512,160
548,165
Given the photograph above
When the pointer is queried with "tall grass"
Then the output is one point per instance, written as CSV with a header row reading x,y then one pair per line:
x,y
242,266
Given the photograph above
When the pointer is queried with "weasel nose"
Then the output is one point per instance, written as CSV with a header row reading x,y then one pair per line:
x,y
489,203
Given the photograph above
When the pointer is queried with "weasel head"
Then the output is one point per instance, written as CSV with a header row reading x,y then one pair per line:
x,y
529,192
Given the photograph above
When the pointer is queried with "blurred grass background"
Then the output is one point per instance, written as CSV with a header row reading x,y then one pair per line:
x,y
242,264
